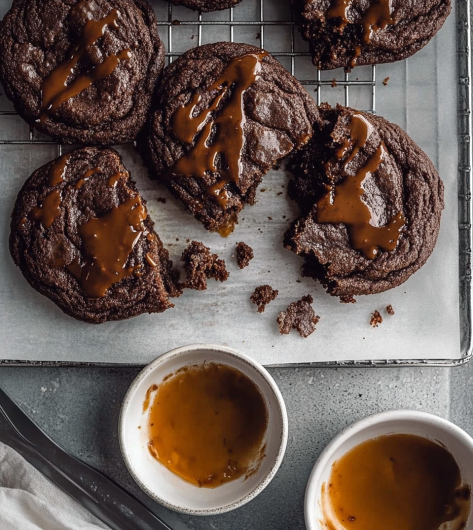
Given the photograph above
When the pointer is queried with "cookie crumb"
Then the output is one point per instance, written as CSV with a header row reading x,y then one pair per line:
x,y
386,81
162,199
176,22
390,310
262,296
201,265
376,319
347,299
244,254
299,315
334,83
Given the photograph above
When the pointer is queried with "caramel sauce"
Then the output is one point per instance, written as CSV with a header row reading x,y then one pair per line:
x,y
376,17
108,241
396,482
339,9
48,210
343,202
227,228
58,170
207,424
55,89
220,138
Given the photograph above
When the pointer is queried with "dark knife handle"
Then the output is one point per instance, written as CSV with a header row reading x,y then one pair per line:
x,y
97,493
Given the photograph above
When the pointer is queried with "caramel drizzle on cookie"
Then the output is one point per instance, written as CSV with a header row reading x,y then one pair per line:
x,y
54,88
376,17
107,242
48,209
343,203
58,169
220,131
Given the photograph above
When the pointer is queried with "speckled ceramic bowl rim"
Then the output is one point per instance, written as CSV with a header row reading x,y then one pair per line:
x,y
281,409
312,490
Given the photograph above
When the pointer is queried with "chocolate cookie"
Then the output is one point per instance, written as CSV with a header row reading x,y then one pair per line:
x,y
348,33
224,115
371,203
81,236
201,265
82,71
207,5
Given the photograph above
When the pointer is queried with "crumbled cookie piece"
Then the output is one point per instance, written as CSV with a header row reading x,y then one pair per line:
x,y
201,265
347,299
244,255
376,319
262,296
390,310
299,315
386,81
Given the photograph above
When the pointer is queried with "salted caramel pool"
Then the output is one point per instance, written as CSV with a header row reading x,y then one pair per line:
x,y
207,424
396,482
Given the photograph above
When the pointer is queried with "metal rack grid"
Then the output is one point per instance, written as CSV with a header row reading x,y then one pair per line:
x,y
231,23
465,185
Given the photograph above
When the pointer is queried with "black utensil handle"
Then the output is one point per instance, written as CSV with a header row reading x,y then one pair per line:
x,y
97,493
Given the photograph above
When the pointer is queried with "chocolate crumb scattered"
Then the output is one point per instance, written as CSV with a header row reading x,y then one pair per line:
x,y
262,296
279,193
390,310
299,315
201,265
176,22
386,81
376,319
334,83
244,255
263,190
162,199
258,36
270,218
347,299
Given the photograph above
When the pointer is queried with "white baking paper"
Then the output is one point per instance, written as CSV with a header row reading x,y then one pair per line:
x,y
420,96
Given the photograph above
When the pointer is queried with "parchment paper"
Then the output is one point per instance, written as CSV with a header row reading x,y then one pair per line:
x,y
421,96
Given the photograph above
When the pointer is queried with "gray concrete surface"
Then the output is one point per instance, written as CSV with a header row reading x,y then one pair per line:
x,y
79,407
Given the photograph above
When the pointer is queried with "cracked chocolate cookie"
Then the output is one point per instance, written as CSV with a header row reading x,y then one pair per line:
x,y
371,202
81,235
207,5
81,71
224,114
348,33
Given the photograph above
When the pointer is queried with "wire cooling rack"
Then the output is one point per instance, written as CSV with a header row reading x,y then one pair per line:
x,y
270,25
171,28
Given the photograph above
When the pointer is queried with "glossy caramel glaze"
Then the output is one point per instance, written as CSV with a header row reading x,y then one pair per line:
x,y
58,170
220,138
48,210
343,203
207,424
377,16
396,482
108,241
55,90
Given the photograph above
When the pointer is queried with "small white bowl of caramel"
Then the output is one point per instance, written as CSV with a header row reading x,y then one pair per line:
x,y
397,470
203,429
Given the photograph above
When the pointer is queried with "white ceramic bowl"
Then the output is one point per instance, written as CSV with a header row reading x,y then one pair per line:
x,y
166,487
457,442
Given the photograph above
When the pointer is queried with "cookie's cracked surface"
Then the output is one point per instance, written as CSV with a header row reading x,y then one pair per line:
x,y
81,235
